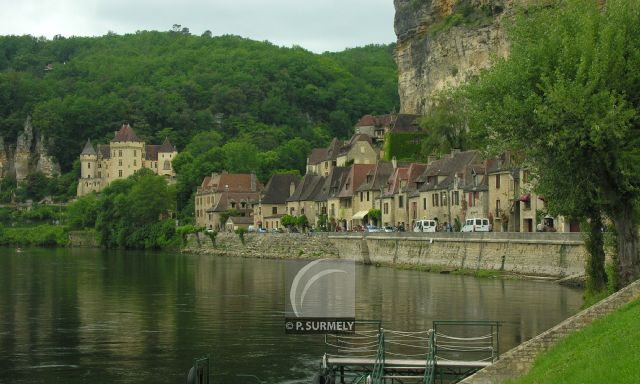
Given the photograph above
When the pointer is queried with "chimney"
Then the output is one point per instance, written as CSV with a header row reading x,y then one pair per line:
x,y
394,162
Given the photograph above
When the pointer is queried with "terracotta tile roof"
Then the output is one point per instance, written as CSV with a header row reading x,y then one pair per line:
x,y
317,156
151,152
88,149
206,181
125,133
395,181
278,187
365,121
237,182
225,200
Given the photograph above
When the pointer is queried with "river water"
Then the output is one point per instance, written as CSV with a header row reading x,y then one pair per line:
x,y
91,316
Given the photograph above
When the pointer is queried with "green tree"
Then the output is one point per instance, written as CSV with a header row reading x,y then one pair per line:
x,y
83,212
566,100
375,215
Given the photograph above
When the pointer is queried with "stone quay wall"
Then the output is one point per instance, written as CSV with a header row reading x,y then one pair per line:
x,y
517,362
537,254
266,245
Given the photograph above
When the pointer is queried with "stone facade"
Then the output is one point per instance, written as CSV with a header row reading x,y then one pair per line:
x,y
122,157
540,254
519,360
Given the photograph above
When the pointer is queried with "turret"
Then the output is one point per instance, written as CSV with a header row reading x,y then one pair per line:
x,y
88,161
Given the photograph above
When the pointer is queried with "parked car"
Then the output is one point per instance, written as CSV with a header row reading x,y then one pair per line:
x,y
425,226
372,228
262,230
209,230
476,225
388,228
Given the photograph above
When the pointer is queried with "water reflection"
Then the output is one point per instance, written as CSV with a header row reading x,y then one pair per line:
x,y
88,316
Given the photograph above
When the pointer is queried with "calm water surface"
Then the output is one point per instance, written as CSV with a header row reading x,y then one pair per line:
x,y
89,316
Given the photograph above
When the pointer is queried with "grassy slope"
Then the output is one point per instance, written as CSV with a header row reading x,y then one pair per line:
x,y
608,351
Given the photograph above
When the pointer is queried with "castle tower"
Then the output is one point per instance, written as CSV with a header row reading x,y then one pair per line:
x,y
166,153
88,161
127,153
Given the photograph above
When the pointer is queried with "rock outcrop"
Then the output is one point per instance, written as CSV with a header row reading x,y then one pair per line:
x,y
28,155
443,43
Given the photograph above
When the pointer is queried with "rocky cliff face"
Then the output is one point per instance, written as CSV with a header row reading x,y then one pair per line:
x,y
443,43
29,154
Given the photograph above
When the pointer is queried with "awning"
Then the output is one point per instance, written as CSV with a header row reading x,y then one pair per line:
x,y
525,198
359,215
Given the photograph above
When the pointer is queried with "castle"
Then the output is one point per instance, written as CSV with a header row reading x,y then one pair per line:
x,y
121,158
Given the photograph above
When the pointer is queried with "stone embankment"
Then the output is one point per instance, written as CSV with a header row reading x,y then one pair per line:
x,y
266,245
537,254
519,360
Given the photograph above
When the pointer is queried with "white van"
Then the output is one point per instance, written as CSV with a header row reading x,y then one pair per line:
x,y
476,225
425,226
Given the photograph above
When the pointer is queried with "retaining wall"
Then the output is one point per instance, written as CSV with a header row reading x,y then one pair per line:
x,y
542,254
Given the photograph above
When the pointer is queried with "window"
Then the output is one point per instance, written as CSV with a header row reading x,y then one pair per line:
x,y
497,181
135,162
302,211
88,165
400,201
361,197
443,198
424,203
120,163
386,208
167,165
135,153
455,198
497,206
472,198
233,204
274,210
435,201
368,196
120,173
243,205
120,152
333,210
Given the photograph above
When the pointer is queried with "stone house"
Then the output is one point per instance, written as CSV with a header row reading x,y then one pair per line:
x,y
504,191
394,200
343,200
237,222
321,161
367,195
441,186
221,192
358,150
303,199
273,201
122,157
411,190
475,199
377,126
327,201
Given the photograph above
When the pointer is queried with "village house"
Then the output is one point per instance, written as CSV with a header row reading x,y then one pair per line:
x,y
442,187
273,201
377,126
238,222
222,192
343,200
393,199
303,199
358,150
327,201
412,193
122,157
504,190
369,192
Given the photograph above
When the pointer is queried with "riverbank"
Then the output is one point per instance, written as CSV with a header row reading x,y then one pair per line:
x,y
575,351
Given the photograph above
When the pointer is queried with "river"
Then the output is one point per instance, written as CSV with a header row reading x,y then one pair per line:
x,y
92,316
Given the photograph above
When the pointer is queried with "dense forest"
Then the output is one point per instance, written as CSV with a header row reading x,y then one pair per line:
x,y
226,102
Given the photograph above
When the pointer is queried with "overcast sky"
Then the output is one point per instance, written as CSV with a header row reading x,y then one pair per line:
x,y
317,25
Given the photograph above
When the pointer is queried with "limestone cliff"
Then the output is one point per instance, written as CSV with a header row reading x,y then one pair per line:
x,y
29,154
442,43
